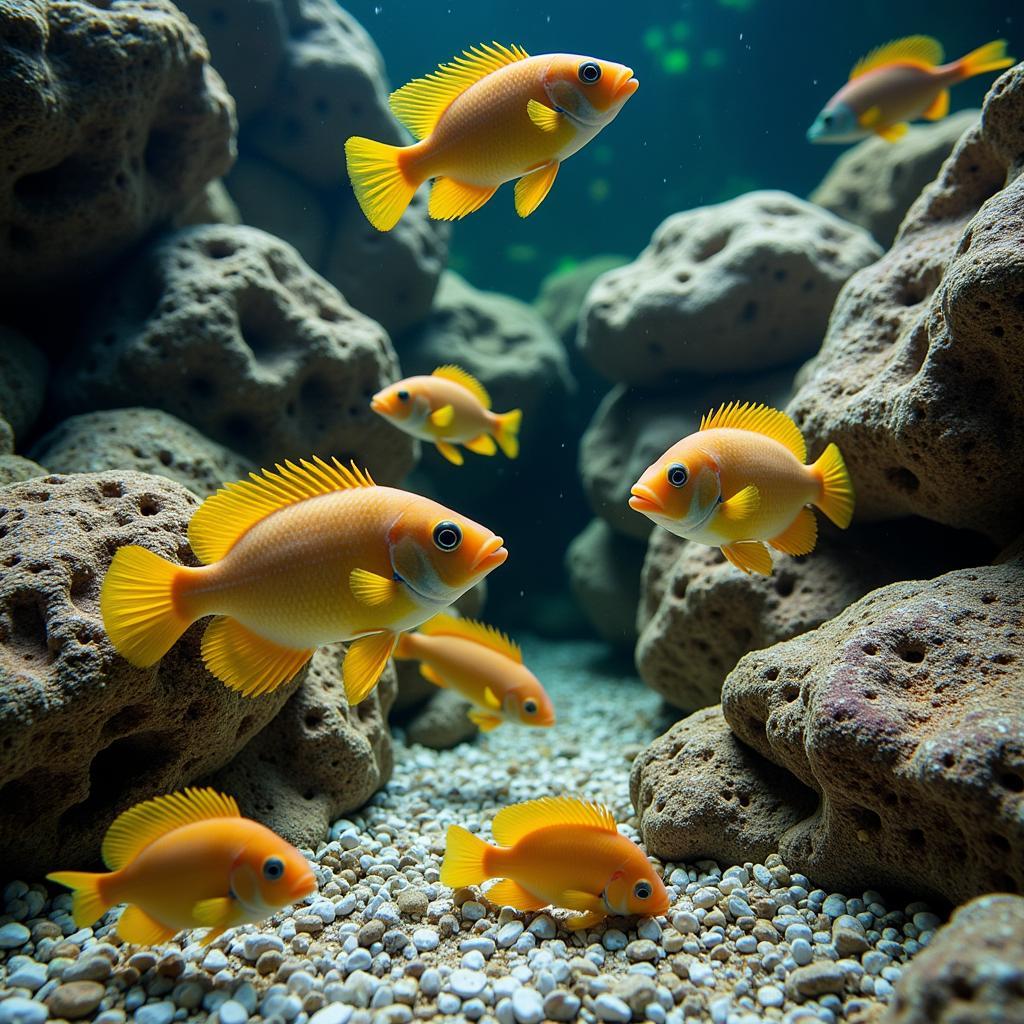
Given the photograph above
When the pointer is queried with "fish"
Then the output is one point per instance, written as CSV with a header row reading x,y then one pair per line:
x,y
557,851
741,480
188,860
297,557
487,117
483,665
900,82
450,407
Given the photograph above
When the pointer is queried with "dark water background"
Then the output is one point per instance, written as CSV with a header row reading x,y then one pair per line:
x,y
727,91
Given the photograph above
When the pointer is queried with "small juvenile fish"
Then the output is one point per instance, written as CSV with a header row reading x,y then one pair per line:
x,y
188,860
557,851
489,116
449,407
741,480
483,665
296,558
899,82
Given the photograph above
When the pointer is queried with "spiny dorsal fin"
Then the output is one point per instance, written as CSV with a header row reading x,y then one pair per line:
x,y
513,823
467,380
420,104
224,517
921,50
479,632
761,420
140,825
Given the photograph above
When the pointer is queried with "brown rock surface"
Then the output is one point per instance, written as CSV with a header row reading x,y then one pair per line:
x,y
226,328
111,120
83,734
972,972
921,370
744,285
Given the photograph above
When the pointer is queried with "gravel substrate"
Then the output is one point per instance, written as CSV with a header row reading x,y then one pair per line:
x,y
383,942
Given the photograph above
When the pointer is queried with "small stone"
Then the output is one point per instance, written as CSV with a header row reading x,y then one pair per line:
x,y
448,1003
543,927
509,933
815,979
371,932
561,1005
648,928
466,984
801,951
611,1008
232,1012
642,950
76,999
215,961
89,968
613,939
17,1010
473,910
269,962
430,982
425,939
412,902
769,995
31,976
685,923
13,935
335,1013
155,1013
834,906
527,1005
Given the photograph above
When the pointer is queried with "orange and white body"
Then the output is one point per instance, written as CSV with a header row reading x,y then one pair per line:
x,y
297,558
900,82
562,852
740,481
483,665
449,407
188,860
489,116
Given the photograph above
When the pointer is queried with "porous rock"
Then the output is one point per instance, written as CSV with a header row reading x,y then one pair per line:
x,y
604,573
701,793
84,734
144,441
972,972
16,467
211,206
111,120
562,294
318,759
921,368
226,328
874,183
744,285
442,723
905,713
698,615
23,371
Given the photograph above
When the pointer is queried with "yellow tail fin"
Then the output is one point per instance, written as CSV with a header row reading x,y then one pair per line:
x,y
463,858
837,496
990,57
87,905
507,432
380,185
138,606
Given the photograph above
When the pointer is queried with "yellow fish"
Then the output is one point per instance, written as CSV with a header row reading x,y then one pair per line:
x,y
741,480
483,665
489,116
897,83
449,407
296,558
188,860
559,851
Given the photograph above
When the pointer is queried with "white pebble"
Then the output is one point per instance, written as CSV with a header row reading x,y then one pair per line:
x,y
232,1012
156,1013
13,935
17,1010
508,933
335,1013
447,1003
527,1006
214,961
613,939
466,984
561,1005
769,995
543,927
612,1008
425,939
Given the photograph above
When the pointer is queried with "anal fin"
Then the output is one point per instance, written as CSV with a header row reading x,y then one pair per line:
x,y
800,536
482,445
587,920
450,452
750,556
452,200
484,720
894,132
247,662
137,927
938,108
533,187
508,893
364,663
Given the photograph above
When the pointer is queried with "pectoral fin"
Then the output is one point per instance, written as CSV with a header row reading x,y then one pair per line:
x,y
894,132
938,108
545,118
533,187
574,899
491,698
584,921
443,417
750,556
218,914
871,117
741,506
482,445
364,663
371,589
450,452
483,721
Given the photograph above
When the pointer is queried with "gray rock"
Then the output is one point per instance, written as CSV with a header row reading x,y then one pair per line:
x,y
443,722
23,370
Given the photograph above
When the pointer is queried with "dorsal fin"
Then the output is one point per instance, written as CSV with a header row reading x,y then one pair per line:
x,y
922,50
420,104
762,420
479,632
467,380
512,823
140,825
224,517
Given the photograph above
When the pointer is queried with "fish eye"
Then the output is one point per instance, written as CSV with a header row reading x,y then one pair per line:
x,y
447,535
589,72
403,395
642,890
827,119
530,707
677,474
273,868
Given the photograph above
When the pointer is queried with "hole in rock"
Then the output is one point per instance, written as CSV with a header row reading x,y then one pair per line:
x,y
711,247
915,837
148,505
912,653
162,156
902,479
220,248
790,692
865,818
1012,781
28,620
128,719
784,585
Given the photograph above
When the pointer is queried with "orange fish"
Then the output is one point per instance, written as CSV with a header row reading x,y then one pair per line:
x,y
741,480
449,407
559,851
897,83
188,860
296,558
483,665
489,116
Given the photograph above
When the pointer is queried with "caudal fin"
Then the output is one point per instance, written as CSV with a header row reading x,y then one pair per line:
x,y
837,496
507,432
380,185
87,905
990,57
463,858
138,606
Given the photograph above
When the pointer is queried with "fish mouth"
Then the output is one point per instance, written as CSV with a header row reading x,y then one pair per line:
x,y
491,555
643,499
626,85
305,886
377,404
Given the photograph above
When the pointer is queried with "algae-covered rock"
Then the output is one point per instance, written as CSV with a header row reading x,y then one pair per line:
x,y
226,328
744,285
84,734
111,120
